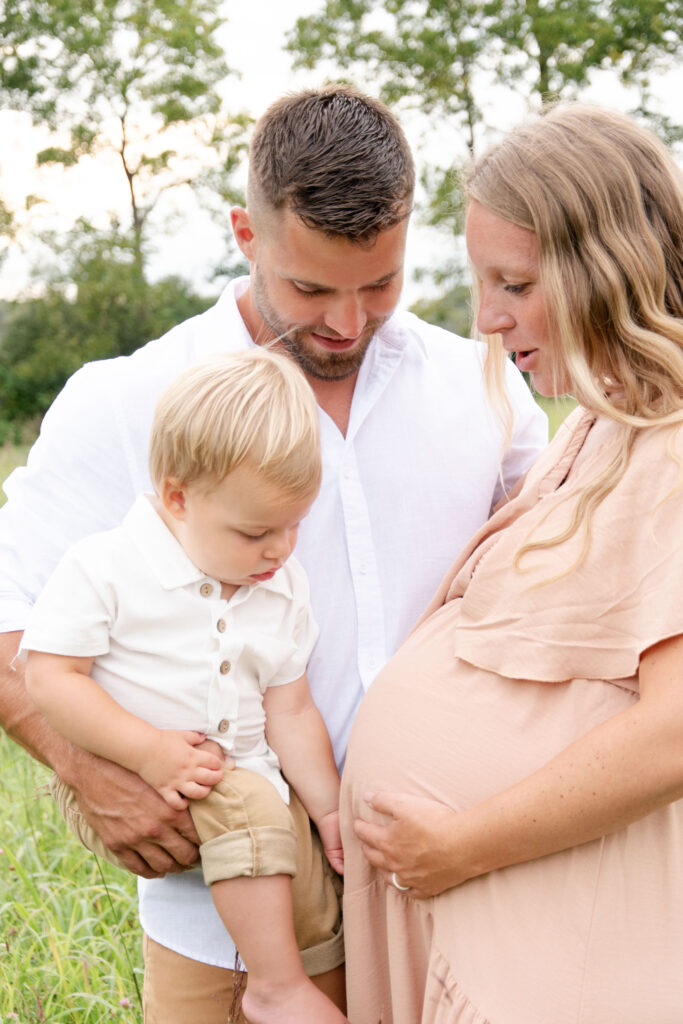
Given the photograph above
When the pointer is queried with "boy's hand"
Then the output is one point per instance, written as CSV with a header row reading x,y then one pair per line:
x,y
178,769
328,827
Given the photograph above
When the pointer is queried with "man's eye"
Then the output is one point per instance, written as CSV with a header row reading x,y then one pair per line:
x,y
307,291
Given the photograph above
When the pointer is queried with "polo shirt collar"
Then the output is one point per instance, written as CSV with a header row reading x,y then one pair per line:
x,y
167,558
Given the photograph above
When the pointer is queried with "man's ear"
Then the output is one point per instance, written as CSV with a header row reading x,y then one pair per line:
x,y
243,231
173,497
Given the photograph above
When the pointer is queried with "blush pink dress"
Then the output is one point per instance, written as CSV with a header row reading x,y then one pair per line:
x,y
499,676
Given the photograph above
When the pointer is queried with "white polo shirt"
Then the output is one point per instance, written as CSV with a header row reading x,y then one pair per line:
x,y
404,490
167,646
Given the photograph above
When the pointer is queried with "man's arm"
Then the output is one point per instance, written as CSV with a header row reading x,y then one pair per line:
x,y
148,836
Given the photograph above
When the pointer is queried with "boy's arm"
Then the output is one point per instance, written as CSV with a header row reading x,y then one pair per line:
x,y
296,732
147,835
89,717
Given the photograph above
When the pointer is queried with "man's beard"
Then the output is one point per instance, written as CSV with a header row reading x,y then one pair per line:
x,y
315,361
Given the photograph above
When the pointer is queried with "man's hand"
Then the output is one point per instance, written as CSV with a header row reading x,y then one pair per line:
x,y
146,834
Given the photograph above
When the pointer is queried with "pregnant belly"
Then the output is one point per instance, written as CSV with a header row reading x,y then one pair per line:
x,y
436,726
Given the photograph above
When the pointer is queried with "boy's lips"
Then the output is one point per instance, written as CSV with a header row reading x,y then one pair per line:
x,y
260,576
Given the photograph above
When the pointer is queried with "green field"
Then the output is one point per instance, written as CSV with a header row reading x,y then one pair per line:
x,y
70,942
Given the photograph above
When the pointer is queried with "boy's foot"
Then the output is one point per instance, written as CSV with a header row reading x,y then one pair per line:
x,y
298,1003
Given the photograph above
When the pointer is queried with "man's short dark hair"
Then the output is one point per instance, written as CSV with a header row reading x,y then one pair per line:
x,y
337,159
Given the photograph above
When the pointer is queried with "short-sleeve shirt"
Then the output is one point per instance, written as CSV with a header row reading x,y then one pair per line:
x,y
166,645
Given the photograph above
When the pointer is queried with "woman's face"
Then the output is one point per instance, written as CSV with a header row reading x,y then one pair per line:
x,y
511,297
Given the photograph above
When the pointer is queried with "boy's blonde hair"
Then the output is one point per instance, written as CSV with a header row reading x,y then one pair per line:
x,y
254,406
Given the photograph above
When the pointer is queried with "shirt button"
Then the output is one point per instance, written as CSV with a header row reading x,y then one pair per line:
x,y
220,626
225,668
223,725
206,590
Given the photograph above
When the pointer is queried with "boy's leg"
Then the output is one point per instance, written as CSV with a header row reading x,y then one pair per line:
x,y
178,990
248,851
258,914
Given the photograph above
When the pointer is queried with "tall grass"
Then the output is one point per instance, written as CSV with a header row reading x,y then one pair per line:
x,y
70,942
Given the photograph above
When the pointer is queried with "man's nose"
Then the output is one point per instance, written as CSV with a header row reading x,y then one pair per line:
x,y
346,317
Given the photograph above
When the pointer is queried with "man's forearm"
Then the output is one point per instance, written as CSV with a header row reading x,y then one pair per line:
x,y
19,717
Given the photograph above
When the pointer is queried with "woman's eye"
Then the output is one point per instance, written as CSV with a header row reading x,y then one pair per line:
x,y
516,289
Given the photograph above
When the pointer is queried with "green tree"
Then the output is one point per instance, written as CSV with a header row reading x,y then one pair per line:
x,y
435,53
109,312
134,76
438,56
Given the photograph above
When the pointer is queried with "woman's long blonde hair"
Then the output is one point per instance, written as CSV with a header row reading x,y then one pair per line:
x,y
605,200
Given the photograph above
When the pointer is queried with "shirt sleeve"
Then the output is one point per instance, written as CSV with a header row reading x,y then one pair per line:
x,y
74,612
567,616
303,627
76,481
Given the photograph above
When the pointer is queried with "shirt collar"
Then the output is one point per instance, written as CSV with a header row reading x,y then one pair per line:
x,y
167,559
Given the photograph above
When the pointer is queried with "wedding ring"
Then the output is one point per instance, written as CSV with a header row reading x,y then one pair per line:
x,y
395,882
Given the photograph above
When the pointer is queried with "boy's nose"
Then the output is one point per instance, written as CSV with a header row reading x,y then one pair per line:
x,y
281,546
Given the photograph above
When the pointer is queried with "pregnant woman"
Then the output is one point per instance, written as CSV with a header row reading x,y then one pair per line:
x,y
512,799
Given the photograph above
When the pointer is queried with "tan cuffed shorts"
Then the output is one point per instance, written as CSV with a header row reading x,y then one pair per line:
x,y
244,820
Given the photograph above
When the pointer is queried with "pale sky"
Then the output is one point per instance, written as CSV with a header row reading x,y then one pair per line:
x,y
253,40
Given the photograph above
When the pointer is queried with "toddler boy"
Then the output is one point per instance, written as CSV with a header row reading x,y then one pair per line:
x,y
188,623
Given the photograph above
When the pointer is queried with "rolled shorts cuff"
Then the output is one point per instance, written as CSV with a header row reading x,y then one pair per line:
x,y
325,956
249,852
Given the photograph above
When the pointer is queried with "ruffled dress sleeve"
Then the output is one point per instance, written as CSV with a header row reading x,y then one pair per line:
x,y
556,615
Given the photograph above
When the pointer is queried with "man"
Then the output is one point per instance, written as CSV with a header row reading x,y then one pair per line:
x,y
413,457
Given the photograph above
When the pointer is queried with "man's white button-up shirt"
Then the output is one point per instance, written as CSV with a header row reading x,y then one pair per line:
x,y
417,473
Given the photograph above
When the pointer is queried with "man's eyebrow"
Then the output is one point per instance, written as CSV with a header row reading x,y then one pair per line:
x,y
329,288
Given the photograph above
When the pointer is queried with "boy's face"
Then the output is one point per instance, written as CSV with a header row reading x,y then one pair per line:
x,y
239,531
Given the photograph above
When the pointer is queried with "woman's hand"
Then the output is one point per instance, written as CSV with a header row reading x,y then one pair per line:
x,y
413,842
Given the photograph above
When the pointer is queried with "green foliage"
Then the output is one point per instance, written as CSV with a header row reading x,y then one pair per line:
x,y
438,56
70,942
429,51
452,310
140,78
110,311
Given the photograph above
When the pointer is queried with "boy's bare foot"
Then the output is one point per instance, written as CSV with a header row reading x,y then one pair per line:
x,y
297,1003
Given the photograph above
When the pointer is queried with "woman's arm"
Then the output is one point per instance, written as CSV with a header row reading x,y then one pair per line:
x,y
296,732
89,717
618,772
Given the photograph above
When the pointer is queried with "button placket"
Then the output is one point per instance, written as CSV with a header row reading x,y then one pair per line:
x,y
224,704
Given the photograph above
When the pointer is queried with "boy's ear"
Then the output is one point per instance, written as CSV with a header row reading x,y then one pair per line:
x,y
243,232
172,496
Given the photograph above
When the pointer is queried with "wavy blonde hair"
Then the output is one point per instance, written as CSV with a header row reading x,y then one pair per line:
x,y
605,200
